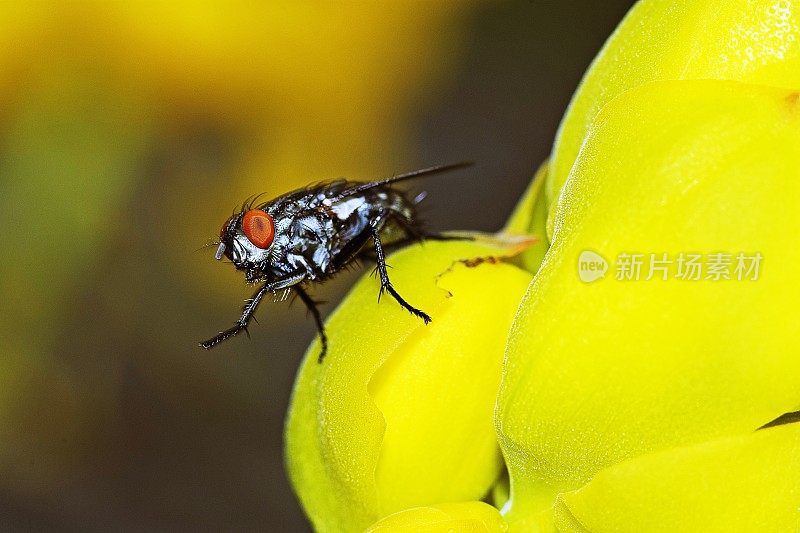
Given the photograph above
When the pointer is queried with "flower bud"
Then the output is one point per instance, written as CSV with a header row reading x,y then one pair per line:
x,y
400,414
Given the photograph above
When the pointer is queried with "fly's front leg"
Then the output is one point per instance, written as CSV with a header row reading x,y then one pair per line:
x,y
250,309
247,315
312,308
387,285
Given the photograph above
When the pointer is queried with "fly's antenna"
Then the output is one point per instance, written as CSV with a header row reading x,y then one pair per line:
x,y
439,169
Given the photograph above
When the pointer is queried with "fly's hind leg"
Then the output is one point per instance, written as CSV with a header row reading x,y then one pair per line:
x,y
312,308
387,285
415,232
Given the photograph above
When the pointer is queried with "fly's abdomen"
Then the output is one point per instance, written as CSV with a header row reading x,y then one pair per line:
x,y
354,217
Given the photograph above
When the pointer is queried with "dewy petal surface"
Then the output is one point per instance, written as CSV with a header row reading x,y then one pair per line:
x,y
400,414
747,483
600,372
755,41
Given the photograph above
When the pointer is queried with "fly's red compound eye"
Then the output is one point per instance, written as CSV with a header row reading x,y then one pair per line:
x,y
259,228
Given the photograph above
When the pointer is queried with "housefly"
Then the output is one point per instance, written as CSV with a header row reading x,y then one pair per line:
x,y
308,235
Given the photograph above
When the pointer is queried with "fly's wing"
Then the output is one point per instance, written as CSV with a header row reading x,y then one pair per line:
x,y
313,194
361,187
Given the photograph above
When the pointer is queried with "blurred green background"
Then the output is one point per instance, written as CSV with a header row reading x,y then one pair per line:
x,y
128,133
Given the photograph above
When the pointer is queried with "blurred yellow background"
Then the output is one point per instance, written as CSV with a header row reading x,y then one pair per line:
x,y
128,133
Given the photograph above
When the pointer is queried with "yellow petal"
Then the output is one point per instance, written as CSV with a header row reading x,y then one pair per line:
x,y
748,483
465,517
600,372
756,41
400,414
529,217
501,491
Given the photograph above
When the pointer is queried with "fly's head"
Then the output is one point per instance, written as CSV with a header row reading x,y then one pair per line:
x,y
246,239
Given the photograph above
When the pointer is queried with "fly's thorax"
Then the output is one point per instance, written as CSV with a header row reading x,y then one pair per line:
x,y
371,206
345,208
307,243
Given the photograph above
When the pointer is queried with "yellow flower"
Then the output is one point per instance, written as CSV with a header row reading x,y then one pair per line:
x,y
400,414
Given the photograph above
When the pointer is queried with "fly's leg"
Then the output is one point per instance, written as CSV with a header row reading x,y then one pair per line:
x,y
312,308
416,233
387,285
413,234
247,315
369,255
249,309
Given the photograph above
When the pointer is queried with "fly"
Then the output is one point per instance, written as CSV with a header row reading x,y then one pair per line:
x,y
308,235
